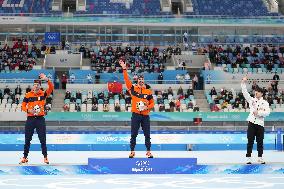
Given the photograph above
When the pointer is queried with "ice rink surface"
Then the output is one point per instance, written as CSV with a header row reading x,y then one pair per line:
x,y
208,181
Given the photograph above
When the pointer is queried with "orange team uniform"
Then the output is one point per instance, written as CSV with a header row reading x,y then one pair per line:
x,y
140,118
36,101
139,94
31,100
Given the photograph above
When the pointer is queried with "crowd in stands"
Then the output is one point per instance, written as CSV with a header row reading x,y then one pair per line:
x,y
138,59
21,56
239,8
230,100
247,57
11,99
165,101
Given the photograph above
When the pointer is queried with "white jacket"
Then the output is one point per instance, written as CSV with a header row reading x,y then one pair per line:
x,y
260,105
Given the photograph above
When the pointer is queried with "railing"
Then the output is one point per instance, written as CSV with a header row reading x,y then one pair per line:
x,y
104,81
18,80
250,81
56,14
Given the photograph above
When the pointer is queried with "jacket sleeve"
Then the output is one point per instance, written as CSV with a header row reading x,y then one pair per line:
x,y
151,103
245,92
265,111
127,80
49,89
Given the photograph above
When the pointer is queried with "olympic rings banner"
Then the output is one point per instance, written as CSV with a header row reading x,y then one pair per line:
x,y
52,37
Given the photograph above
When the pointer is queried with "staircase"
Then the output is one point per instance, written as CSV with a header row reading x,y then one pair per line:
x,y
201,101
58,100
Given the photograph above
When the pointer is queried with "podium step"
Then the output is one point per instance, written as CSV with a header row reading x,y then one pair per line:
x,y
140,165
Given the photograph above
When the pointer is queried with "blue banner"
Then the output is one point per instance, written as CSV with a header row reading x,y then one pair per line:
x,y
111,139
52,37
140,165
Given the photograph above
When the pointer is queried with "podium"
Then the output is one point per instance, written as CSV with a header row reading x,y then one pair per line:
x,y
140,165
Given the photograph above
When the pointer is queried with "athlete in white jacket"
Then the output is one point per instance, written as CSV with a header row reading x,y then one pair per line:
x,y
259,108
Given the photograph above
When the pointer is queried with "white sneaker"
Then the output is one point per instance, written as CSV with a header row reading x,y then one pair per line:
x,y
260,160
248,160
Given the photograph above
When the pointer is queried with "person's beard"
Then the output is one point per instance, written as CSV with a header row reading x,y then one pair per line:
x,y
36,90
140,83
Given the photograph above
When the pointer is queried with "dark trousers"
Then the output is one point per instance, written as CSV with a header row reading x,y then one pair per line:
x,y
136,121
255,131
37,123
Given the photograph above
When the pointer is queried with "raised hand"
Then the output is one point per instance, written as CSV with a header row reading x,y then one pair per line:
x,y
122,64
43,77
244,79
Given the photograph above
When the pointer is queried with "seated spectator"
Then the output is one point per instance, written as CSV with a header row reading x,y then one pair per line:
x,y
66,108
170,91
28,89
106,107
78,95
94,108
236,104
177,105
180,91
269,66
196,108
7,90
215,108
224,104
213,91
165,95
18,90
67,95
161,108
78,107
172,106
47,108
190,105
190,91
135,77
117,107
160,98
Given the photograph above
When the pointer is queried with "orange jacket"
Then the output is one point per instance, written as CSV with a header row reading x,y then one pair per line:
x,y
138,94
32,99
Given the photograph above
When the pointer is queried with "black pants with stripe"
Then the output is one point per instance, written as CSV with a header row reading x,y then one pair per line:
x,y
37,123
136,121
255,131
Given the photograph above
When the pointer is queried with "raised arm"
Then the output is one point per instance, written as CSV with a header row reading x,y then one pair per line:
x,y
49,83
125,75
244,90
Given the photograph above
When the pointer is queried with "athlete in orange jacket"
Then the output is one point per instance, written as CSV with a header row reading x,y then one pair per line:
x,y
142,103
33,104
